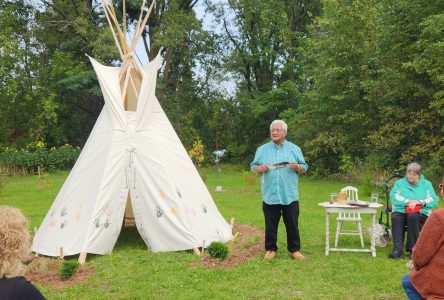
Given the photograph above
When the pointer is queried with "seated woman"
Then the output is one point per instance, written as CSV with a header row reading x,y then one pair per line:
x,y
412,198
14,248
426,280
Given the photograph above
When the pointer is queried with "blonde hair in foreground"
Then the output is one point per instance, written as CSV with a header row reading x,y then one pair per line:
x,y
14,241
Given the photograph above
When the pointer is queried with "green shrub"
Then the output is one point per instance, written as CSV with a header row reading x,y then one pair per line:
x,y
29,160
68,269
218,250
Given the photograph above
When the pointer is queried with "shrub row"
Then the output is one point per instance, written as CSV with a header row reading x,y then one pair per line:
x,y
26,161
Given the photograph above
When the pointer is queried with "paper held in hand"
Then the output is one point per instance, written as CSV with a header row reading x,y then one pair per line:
x,y
279,165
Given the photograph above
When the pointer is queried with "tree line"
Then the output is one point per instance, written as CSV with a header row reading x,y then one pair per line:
x,y
360,83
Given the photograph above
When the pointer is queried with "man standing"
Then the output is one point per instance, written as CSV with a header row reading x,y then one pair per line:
x,y
280,162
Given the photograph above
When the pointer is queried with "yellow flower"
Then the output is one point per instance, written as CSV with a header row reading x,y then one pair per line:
x,y
40,144
197,152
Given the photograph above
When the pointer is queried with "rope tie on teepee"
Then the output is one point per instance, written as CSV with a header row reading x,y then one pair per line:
x,y
130,159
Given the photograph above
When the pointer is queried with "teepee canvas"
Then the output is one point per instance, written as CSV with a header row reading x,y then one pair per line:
x,y
133,160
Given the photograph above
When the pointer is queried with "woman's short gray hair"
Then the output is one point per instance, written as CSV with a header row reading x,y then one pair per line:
x,y
414,167
280,122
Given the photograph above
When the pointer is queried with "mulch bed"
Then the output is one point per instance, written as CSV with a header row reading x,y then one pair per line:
x,y
45,271
248,244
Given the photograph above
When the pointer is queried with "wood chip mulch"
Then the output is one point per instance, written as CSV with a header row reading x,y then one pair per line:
x,y
248,244
45,271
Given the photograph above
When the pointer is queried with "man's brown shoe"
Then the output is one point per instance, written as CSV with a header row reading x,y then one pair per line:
x,y
269,255
297,255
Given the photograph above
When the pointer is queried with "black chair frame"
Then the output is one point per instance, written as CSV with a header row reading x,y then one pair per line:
x,y
388,206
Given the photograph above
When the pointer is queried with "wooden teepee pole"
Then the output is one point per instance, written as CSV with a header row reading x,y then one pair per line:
x,y
140,28
124,18
112,30
141,12
125,85
126,50
112,14
134,87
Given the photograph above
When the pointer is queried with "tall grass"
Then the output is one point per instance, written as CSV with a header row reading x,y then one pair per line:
x,y
132,272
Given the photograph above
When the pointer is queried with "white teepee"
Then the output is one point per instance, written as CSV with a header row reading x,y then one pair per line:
x,y
133,159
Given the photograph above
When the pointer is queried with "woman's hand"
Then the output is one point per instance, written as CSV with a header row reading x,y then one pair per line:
x,y
413,203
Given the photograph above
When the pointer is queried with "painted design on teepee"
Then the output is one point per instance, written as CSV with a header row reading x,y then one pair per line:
x,y
52,223
97,222
108,210
79,206
173,210
162,195
178,193
158,211
63,224
204,208
107,223
63,211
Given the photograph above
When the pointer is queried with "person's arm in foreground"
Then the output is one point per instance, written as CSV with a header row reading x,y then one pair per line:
x,y
429,242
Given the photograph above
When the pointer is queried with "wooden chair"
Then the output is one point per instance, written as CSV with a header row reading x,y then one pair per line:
x,y
352,194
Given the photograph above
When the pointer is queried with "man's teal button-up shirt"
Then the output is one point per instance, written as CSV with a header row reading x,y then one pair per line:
x,y
279,186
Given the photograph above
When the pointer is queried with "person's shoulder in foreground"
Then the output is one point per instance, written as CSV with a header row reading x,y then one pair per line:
x,y
14,248
18,288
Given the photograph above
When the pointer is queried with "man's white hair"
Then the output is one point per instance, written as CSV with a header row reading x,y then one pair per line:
x,y
280,122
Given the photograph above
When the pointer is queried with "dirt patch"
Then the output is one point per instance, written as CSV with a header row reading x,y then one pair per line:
x,y
45,271
248,244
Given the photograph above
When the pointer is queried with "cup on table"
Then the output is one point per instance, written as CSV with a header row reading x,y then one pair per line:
x,y
374,198
333,197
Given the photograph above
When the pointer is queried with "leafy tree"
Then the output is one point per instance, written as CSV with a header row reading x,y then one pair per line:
x,y
368,98
261,41
406,91
20,101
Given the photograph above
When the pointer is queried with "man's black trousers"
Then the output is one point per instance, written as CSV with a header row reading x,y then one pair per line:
x,y
272,216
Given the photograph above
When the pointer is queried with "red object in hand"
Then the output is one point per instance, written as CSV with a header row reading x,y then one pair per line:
x,y
416,209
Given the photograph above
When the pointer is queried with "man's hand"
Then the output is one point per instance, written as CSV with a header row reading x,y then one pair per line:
x,y
296,167
261,169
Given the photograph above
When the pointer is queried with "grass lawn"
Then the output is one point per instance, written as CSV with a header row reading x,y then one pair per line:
x,y
132,272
